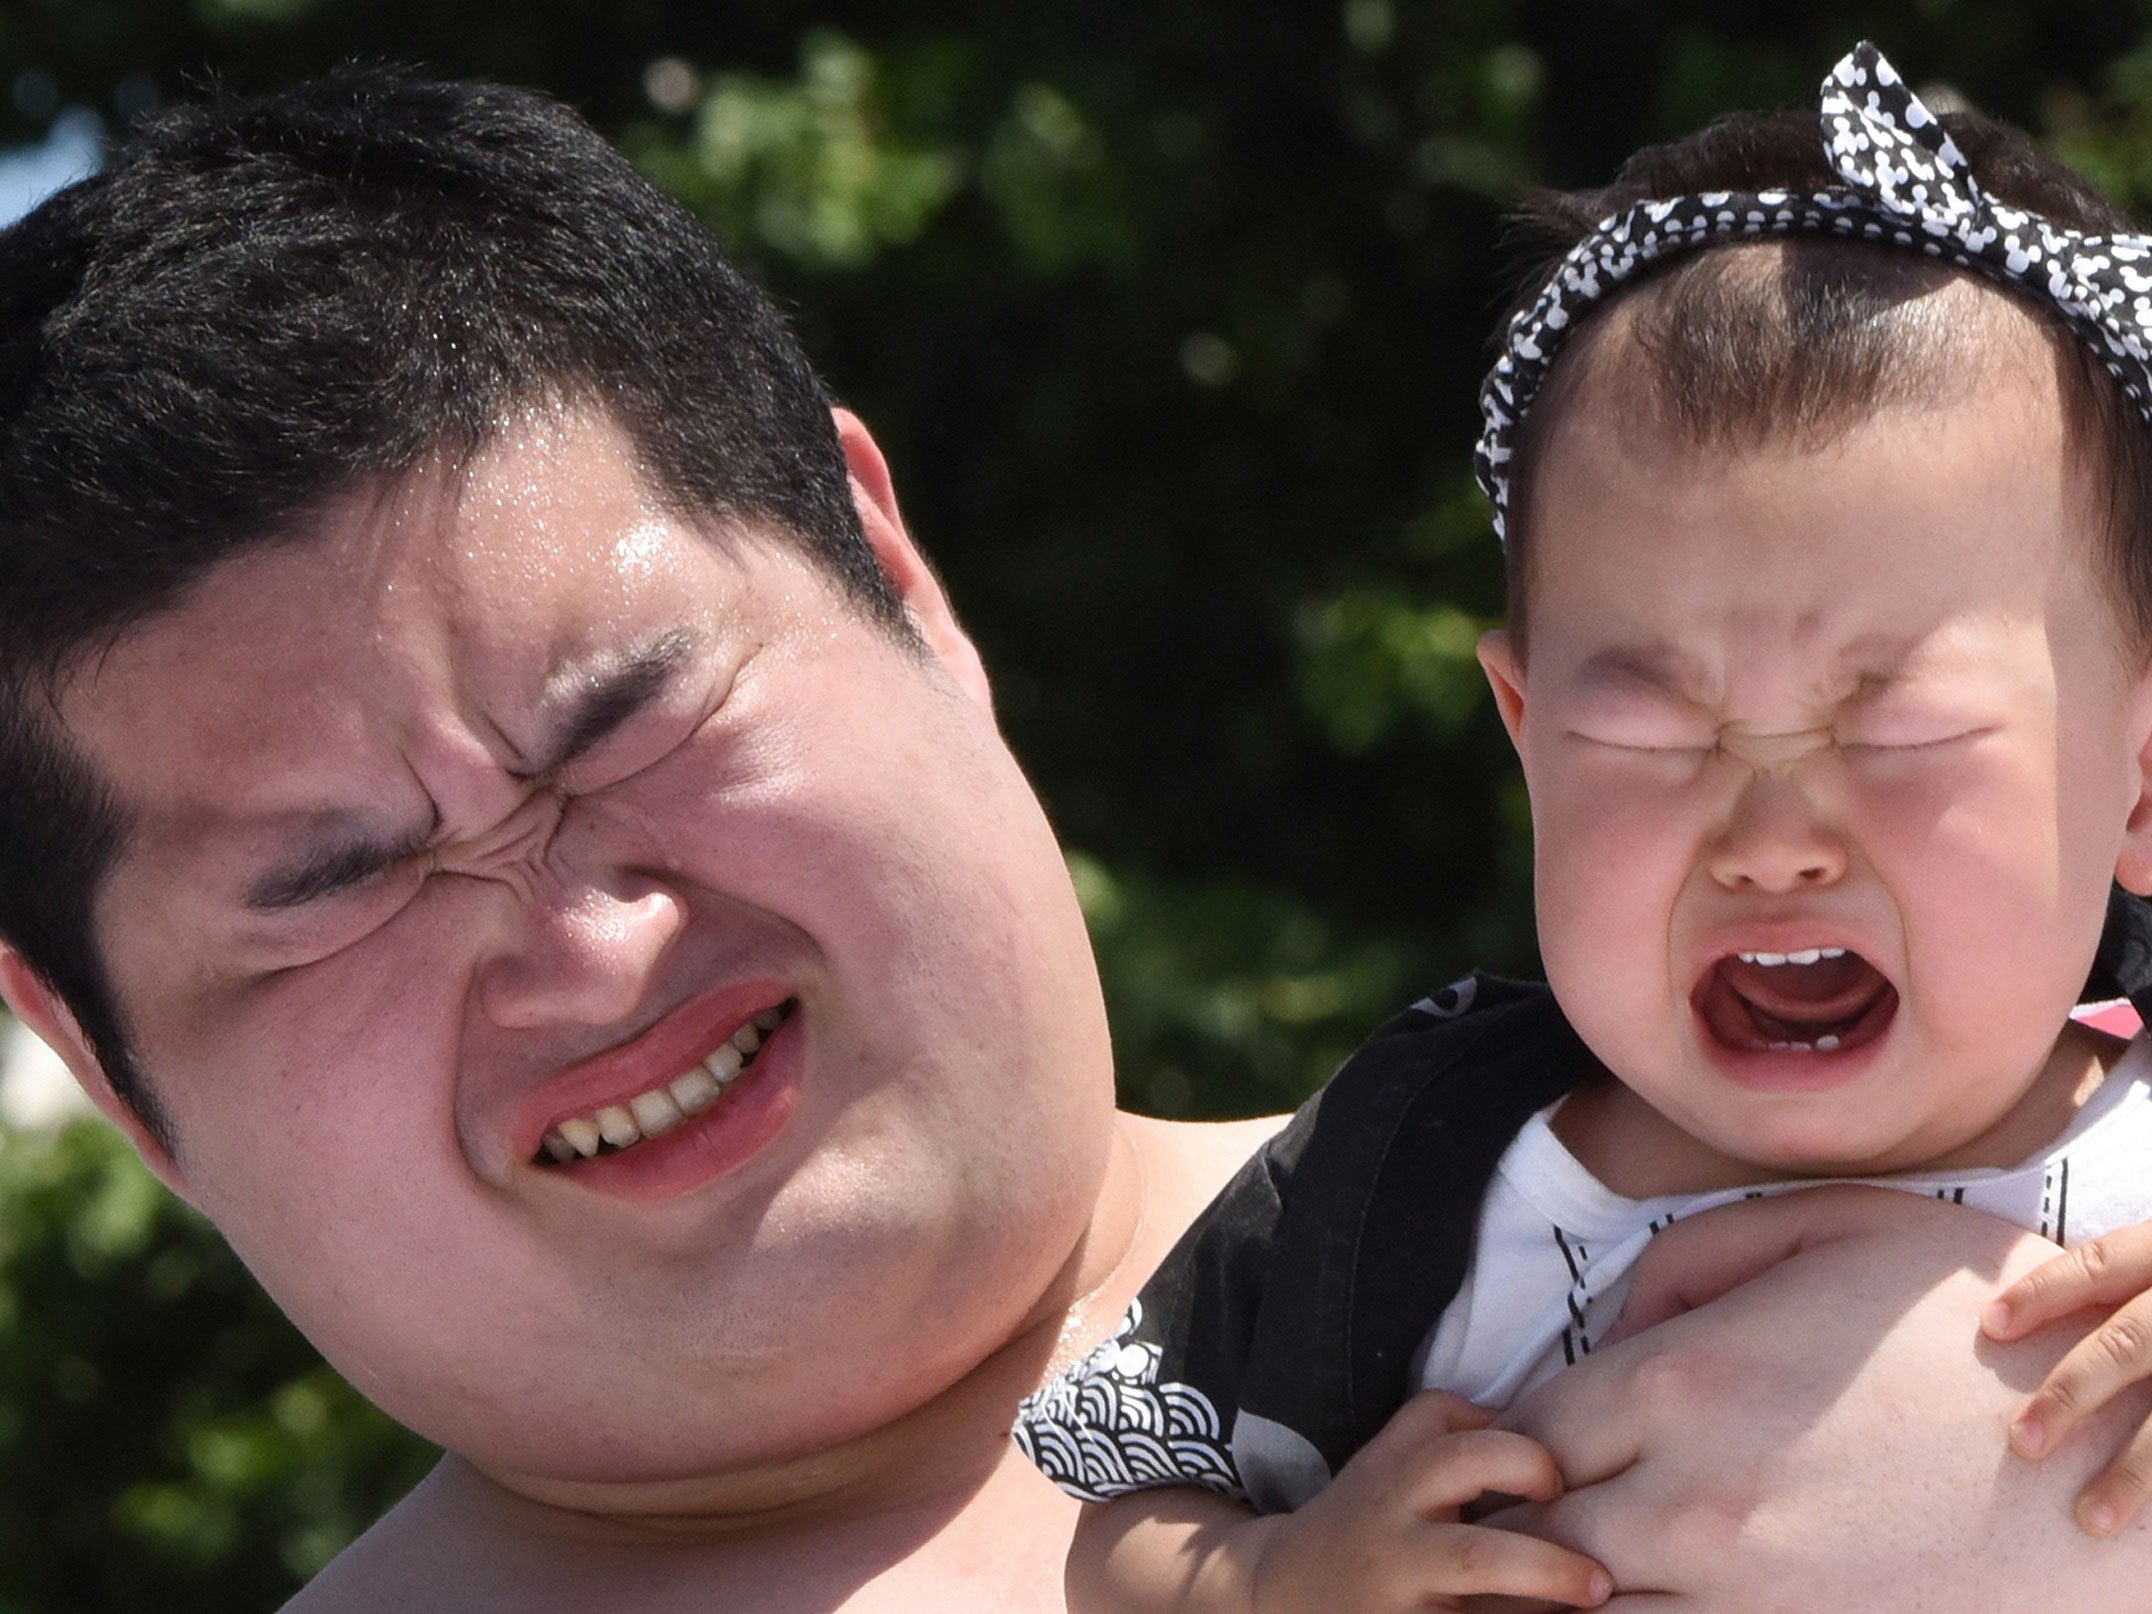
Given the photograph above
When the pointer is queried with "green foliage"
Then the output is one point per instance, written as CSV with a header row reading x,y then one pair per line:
x,y
166,1438
811,165
1170,318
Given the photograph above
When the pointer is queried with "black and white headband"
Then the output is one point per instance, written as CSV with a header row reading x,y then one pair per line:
x,y
1906,184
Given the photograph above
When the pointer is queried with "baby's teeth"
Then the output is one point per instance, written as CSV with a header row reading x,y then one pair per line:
x,y
747,1039
558,1148
1808,955
582,1136
769,1020
655,1112
695,1091
1830,952
1825,1044
1767,959
725,1063
617,1126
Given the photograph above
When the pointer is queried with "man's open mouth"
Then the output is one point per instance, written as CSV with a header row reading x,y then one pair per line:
x,y
1819,1000
614,1127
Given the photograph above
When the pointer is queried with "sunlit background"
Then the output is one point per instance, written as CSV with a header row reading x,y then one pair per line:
x,y
1170,317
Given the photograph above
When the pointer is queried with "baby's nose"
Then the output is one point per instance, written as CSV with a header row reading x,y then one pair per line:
x,y
1769,753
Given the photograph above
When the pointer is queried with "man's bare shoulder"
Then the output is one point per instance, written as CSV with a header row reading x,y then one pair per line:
x,y
1186,1162
458,1546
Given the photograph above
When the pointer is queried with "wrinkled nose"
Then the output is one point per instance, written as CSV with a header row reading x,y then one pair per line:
x,y
581,927
1776,841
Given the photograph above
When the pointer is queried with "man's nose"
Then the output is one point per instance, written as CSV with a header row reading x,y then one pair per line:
x,y
581,942
1777,839
583,956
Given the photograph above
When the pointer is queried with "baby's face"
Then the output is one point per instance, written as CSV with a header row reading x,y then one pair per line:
x,y
1832,755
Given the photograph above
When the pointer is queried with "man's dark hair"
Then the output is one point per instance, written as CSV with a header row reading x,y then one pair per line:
x,y
263,305
1739,345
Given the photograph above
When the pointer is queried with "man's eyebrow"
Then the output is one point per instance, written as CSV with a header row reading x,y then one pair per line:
x,y
613,695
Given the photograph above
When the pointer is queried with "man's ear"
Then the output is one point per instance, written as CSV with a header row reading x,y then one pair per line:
x,y
875,497
1504,668
37,1006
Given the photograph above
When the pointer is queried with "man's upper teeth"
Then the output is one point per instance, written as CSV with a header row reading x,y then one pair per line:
x,y
657,1112
1807,955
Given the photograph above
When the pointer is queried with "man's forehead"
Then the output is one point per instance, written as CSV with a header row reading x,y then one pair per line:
x,y
290,677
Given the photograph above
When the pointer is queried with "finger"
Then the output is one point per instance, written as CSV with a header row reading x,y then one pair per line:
x,y
1465,1559
1429,1416
2119,1491
2106,1271
1400,1445
1463,1467
2106,1361
1595,1419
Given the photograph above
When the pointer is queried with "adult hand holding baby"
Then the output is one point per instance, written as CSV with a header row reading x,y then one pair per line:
x,y
1711,1469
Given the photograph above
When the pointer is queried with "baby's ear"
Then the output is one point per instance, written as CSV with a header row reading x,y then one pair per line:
x,y
2133,865
1504,666
37,1006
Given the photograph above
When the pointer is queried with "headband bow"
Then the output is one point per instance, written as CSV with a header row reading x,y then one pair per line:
x,y
1906,184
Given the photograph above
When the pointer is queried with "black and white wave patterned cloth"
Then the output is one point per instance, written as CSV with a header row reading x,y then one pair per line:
x,y
1109,1426
1906,185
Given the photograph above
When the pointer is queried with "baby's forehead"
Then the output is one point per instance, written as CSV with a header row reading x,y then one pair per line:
x,y
1795,341
1748,512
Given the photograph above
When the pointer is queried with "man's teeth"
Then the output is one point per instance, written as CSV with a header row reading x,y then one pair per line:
x,y
657,1112
1807,955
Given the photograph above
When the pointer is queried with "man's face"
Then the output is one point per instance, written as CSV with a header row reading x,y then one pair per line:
x,y
1831,756
504,801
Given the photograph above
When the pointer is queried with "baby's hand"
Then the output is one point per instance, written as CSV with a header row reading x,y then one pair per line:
x,y
1388,1533
2112,1271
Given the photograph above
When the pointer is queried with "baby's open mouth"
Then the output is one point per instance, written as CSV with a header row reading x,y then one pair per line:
x,y
1818,1000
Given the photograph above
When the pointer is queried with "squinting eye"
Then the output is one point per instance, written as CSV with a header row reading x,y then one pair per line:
x,y
342,920
1646,743
1907,741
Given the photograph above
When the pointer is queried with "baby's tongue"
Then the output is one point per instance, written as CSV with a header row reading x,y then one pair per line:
x,y
1829,989
1757,1005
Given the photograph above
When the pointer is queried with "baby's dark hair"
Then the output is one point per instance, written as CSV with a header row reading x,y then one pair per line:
x,y
1799,339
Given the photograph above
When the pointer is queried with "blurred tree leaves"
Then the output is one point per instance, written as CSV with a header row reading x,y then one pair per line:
x,y
809,166
166,1439
1170,318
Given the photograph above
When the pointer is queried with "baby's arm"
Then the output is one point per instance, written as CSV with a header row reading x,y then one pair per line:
x,y
1386,1534
2115,1270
